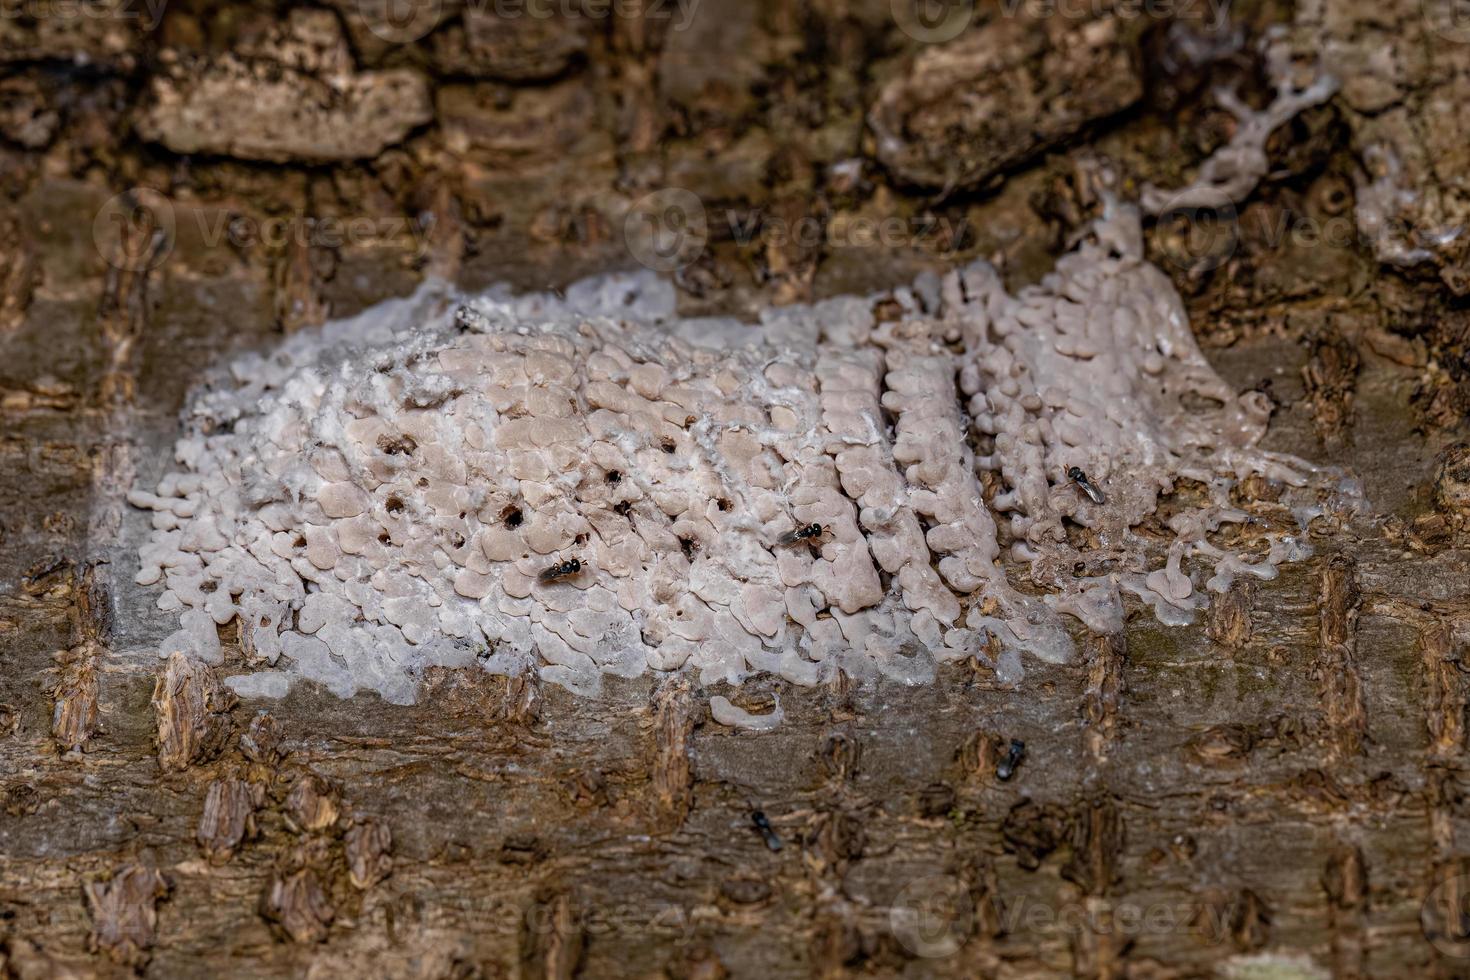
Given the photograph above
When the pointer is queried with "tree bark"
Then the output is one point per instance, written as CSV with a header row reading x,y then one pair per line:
x,y
1278,787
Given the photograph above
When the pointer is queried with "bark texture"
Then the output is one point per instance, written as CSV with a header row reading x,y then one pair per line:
x,y
1279,787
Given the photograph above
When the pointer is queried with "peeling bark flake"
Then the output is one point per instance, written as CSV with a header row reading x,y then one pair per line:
x,y
74,717
296,905
228,819
191,707
673,729
1107,655
124,913
1345,882
1335,668
1230,615
369,848
1097,842
1446,697
313,804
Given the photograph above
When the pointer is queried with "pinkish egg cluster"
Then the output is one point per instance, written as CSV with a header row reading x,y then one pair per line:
x,y
590,485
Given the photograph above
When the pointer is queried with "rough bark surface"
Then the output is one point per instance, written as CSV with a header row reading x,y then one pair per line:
x,y
1280,787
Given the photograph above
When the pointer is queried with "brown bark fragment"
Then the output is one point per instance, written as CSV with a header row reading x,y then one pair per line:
x,y
556,943
1106,657
93,605
514,48
1443,915
673,728
1452,484
143,235
108,34
479,696
980,754
447,238
789,244
192,712
1442,797
1098,949
1033,830
1250,920
1403,351
993,98
1097,842
837,839
699,963
296,906
289,94
261,742
636,39
836,944
936,801
1335,666
124,913
521,699
25,960
299,273
228,818
1446,696
841,757
1222,745
1257,488
1345,881
369,848
1230,615
1443,402
530,130
312,805
1331,377
1337,606
985,898
19,272
75,716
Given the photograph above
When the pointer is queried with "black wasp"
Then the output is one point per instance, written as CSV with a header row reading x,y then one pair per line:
x,y
561,570
1078,477
807,532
